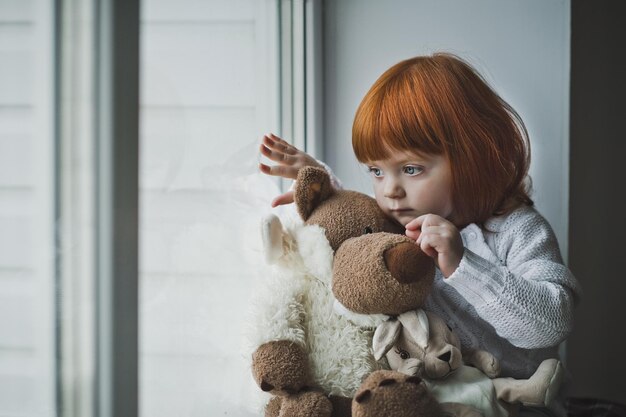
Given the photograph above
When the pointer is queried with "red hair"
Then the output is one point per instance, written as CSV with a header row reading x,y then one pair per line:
x,y
440,105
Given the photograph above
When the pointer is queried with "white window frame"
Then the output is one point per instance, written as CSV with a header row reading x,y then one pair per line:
x,y
301,75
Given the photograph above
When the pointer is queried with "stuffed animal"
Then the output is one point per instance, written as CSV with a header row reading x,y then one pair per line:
x,y
419,343
309,356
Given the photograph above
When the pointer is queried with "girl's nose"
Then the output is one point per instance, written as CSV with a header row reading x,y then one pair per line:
x,y
393,189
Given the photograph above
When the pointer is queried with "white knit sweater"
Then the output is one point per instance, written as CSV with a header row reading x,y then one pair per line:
x,y
511,294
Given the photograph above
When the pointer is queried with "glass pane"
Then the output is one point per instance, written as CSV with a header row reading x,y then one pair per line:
x,y
27,309
208,86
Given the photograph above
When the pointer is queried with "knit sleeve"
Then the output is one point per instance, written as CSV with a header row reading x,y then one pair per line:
x,y
524,291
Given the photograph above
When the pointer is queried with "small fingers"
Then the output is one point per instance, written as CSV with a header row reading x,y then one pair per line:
x,y
277,156
414,224
413,234
279,144
279,171
439,234
286,198
424,220
427,245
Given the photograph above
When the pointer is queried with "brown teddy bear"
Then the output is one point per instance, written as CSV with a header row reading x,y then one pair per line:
x,y
310,354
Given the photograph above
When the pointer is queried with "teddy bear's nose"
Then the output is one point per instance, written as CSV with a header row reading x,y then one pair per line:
x,y
445,356
407,263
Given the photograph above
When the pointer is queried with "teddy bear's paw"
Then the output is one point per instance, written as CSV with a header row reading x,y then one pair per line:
x,y
272,409
484,361
306,404
390,393
280,367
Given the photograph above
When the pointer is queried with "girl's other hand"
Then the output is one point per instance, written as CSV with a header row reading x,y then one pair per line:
x,y
439,239
289,162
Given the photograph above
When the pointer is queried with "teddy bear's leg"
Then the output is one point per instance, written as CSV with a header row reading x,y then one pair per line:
x,y
306,404
280,367
539,390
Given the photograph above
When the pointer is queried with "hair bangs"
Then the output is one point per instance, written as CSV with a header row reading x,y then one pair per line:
x,y
394,116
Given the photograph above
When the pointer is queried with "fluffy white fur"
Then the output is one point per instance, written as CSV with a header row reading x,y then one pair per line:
x,y
296,303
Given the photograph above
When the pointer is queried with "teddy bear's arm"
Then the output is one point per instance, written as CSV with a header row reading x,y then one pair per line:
x,y
279,361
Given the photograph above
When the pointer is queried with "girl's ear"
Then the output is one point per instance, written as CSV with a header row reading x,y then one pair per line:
x,y
385,337
416,324
311,189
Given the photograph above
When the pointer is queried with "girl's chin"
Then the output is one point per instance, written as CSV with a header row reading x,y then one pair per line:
x,y
403,218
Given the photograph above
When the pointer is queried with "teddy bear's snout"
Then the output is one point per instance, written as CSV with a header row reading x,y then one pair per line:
x,y
406,262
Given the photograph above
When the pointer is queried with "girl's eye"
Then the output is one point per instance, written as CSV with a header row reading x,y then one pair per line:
x,y
377,172
412,170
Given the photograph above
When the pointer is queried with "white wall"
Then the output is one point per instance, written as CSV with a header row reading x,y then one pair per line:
x,y
521,47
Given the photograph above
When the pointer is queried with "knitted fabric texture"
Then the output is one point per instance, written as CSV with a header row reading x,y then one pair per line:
x,y
511,294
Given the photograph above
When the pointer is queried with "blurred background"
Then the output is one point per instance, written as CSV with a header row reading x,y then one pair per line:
x,y
130,198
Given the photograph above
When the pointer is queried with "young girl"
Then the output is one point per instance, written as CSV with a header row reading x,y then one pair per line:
x,y
449,161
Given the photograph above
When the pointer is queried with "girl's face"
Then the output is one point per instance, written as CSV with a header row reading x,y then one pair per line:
x,y
408,185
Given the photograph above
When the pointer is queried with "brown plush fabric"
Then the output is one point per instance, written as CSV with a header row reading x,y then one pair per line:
x,y
272,409
342,406
280,367
407,263
348,214
312,187
342,214
362,280
392,394
306,404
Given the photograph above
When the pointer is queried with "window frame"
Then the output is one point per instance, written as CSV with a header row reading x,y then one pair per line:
x,y
97,97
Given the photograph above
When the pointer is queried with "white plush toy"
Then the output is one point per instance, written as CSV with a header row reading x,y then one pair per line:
x,y
420,343
295,304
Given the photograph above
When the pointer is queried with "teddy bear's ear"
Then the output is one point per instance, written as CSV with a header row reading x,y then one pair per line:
x,y
273,237
311,189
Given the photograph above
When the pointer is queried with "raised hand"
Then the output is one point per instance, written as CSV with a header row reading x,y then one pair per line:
x,y
289,161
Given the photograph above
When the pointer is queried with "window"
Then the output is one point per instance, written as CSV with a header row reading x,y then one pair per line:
x,y
209,90
129,221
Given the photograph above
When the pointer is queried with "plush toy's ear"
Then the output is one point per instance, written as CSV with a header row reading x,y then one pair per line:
x,y
273,236
416,324
312,187
385,337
